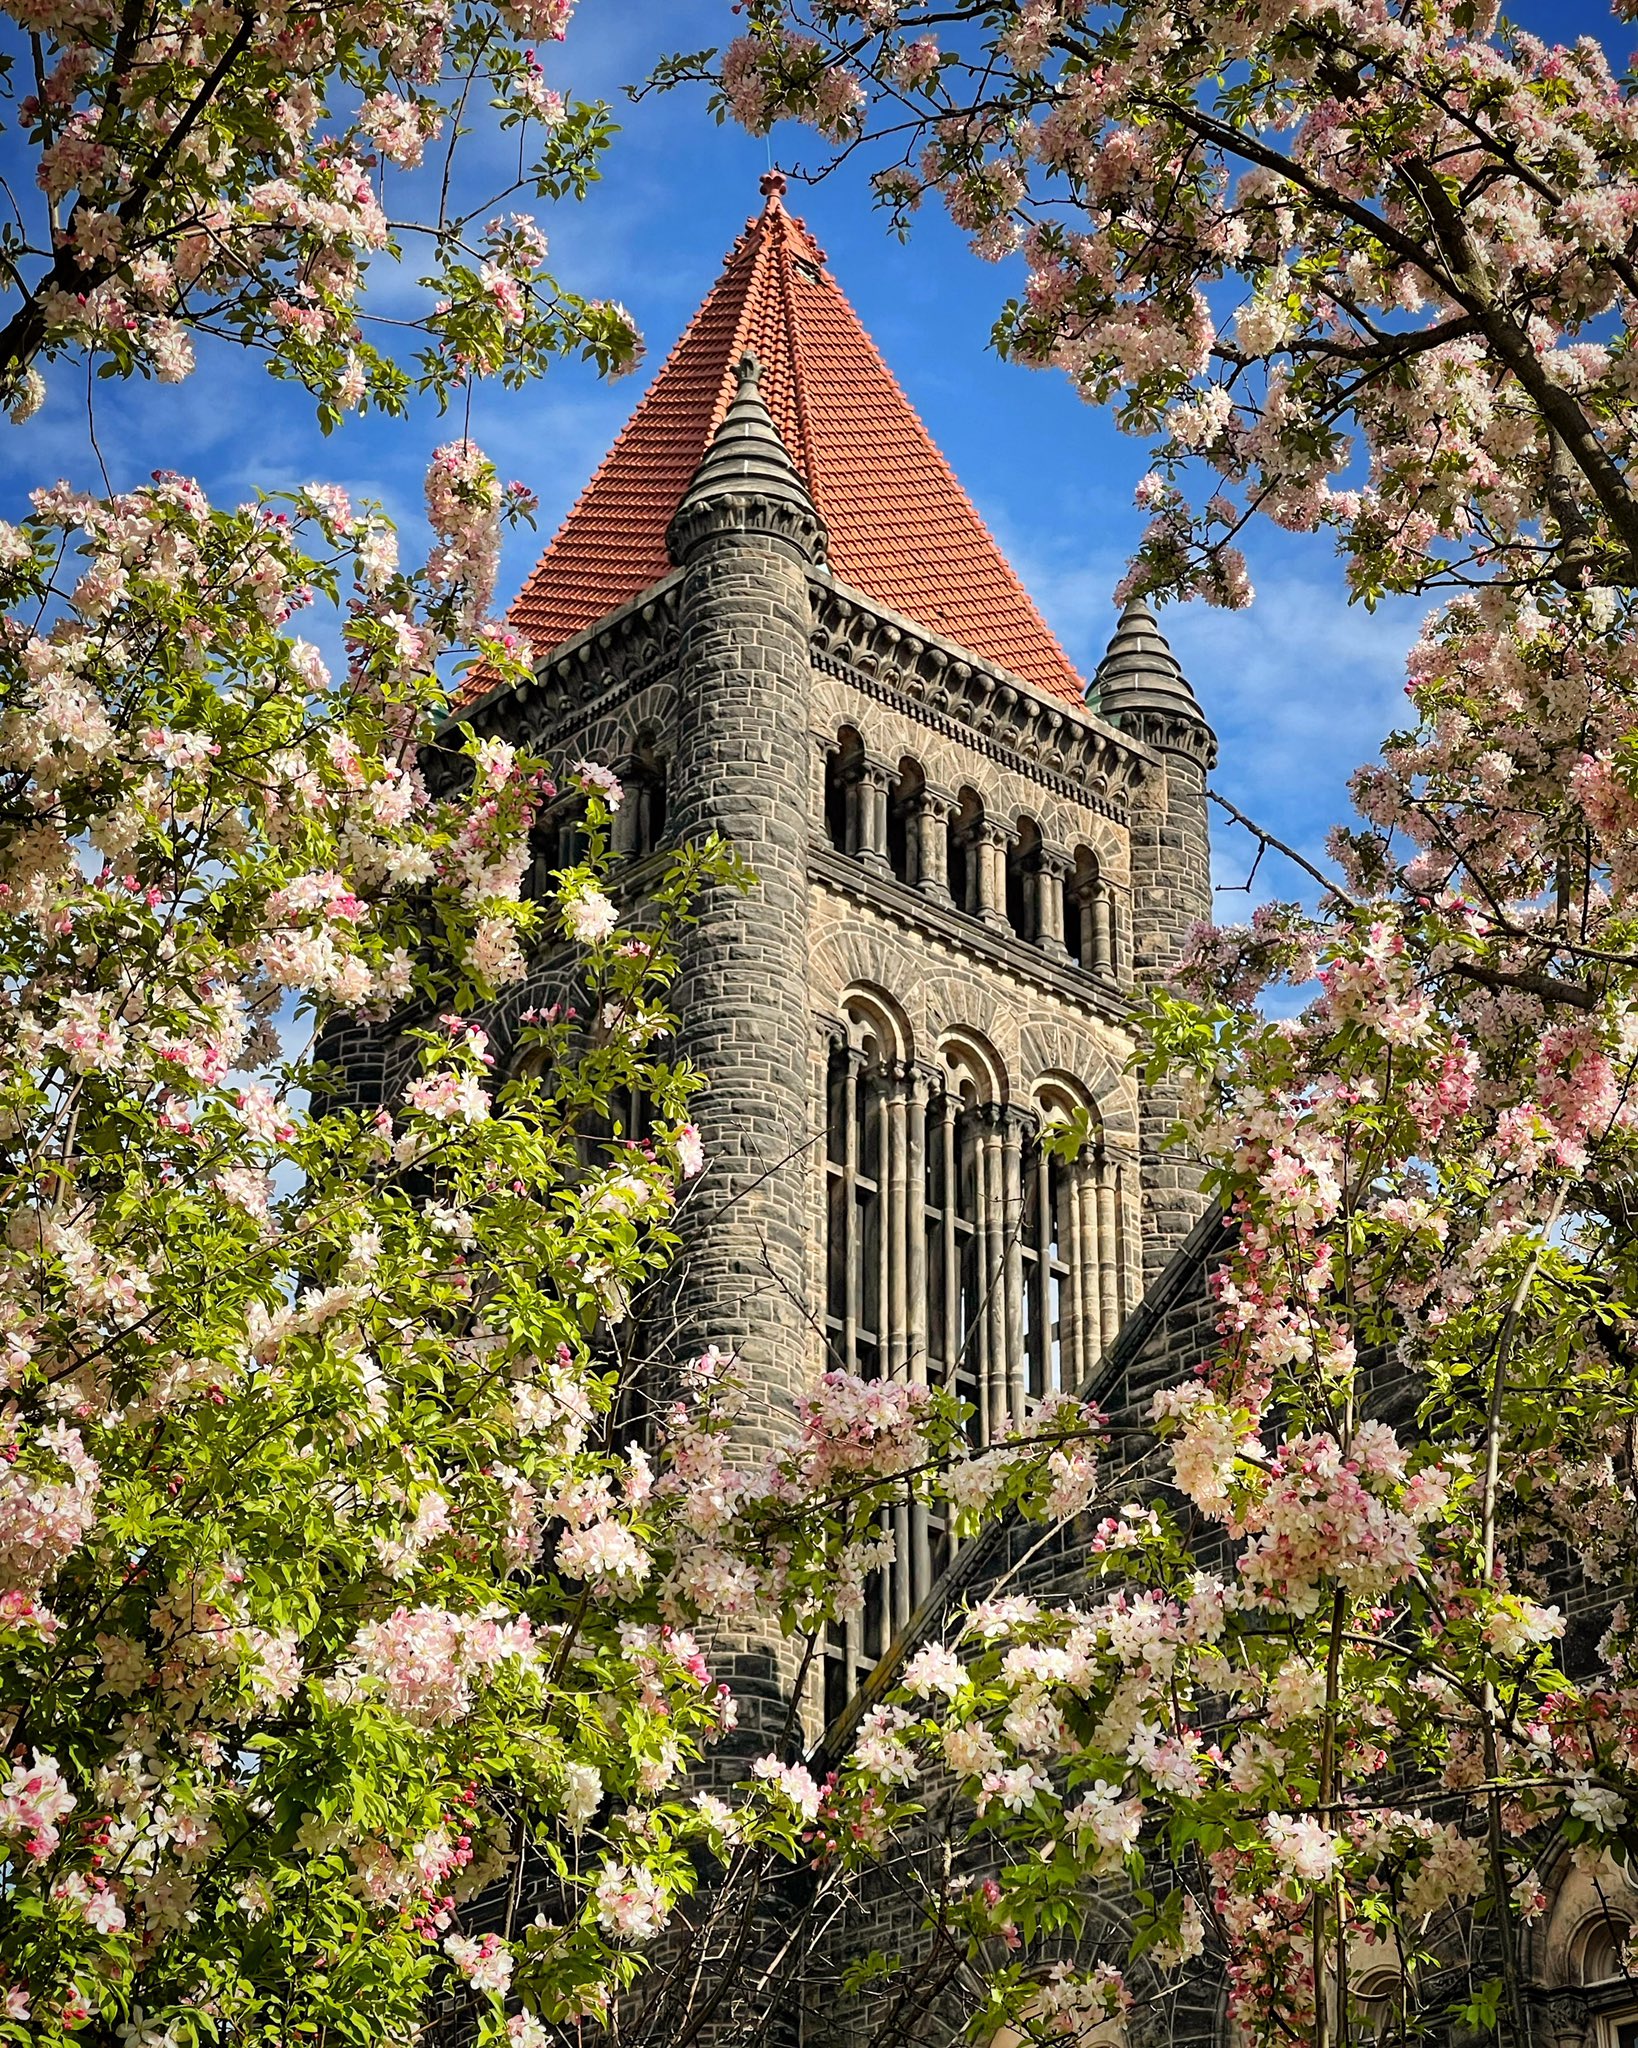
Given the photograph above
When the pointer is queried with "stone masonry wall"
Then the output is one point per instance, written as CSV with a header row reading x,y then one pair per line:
x,y
1171,893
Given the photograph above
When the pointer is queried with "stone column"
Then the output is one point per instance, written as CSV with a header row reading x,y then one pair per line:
x,y
990,841
876,778
1080,1310
1111,1305
1052,873
1106,944
934,810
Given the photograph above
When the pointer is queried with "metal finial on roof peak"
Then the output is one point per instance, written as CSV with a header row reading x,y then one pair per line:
x,y
748,370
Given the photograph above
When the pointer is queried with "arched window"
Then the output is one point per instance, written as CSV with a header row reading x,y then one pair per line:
x,y
557,840
962,855
903,817
1597,1949
646,797
842,766
866,1100
1023,876
871,1281
1091,934
1378,2007
1598,1965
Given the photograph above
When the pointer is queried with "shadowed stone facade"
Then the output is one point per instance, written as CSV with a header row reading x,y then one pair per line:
x,y
962,882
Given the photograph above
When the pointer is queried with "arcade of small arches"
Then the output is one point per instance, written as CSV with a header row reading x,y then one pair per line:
x,y
960,1250
890,818
639,826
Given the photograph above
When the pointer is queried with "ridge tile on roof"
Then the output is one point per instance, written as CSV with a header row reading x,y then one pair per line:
x,y
902,530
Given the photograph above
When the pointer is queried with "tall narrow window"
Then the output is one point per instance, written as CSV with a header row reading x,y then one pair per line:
x,y
1090,921
866,1298
903,810
1048,1257
855,1248
1023,862
950,1225
646,793
962,853
842,765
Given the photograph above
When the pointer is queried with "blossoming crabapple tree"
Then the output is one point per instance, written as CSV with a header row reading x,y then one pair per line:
x,y
1366,272
239,171
330,1576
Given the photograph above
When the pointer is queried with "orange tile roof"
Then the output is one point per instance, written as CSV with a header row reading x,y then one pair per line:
x,y
902,530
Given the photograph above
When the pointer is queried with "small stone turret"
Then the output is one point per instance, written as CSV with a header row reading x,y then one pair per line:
x,y
1141,688
747,537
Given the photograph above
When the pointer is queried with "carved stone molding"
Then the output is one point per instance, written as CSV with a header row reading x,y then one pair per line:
x,y
593,674
734,514
1096,994
1175,732
936,683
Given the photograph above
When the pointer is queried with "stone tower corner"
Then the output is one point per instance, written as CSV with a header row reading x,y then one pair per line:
x,y
1141,688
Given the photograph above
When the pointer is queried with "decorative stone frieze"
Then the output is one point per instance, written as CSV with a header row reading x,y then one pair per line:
x,y
592,673
1073,752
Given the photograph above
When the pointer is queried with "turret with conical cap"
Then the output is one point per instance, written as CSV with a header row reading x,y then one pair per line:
x,y
1140,687
1139,674
747,470
747,539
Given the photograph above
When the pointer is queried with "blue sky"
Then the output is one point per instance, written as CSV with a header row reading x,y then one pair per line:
x,y
1301,688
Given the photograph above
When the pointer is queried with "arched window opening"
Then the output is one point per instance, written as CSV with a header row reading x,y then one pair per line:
x,y
1598,1950
557,840
1091,923
1598,1967
903,816
868,1093
1047,1251
646,795
873,1126
962,850
1377,2003
1023,878
842,766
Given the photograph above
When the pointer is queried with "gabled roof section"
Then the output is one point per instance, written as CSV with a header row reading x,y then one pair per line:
x,y
902,530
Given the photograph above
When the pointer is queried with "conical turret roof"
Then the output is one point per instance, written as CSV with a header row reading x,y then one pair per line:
x,y
1139,671
746,453
902,530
